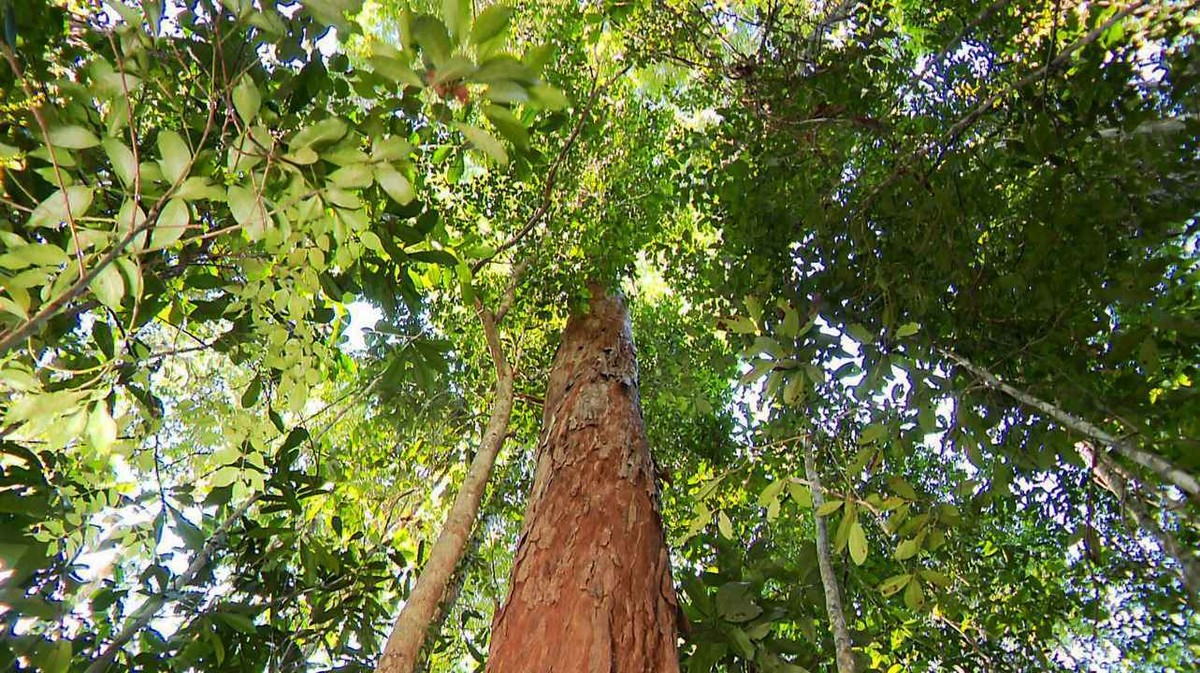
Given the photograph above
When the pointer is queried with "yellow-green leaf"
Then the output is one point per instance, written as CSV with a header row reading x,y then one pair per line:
x,y
486,142
53,211
858,543
725,525
109,287
829,508
893,584
395,184
171,224
176,157
246,99
73,137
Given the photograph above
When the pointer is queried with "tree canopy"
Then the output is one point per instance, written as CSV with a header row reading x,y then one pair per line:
x,y
269,268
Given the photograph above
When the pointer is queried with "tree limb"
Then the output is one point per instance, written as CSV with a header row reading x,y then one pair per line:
x,y
833,598
1160,466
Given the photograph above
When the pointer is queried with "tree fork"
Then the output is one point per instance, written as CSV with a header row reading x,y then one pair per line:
x,y
591,586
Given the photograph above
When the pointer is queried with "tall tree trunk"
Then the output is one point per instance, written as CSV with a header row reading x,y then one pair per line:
x,y
843,650
591,587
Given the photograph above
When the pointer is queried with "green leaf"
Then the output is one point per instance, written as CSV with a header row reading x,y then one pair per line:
x,y
872,433
858,543
59,658
724,525
172,223
225,476
248,211
246,99
395,184
393,148
458,18
122,160
771,492
902,488
741,642
490,23
33,254
800,493
53,211
176,157
894,583
829,508
735,604
914,597
109,287
484,141
431,35
324,131
907,330
73,138
101,428
907,549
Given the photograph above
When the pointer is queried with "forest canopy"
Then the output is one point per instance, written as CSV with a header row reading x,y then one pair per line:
x,y
893,306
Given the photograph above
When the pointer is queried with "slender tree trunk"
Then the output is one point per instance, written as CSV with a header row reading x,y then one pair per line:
x,y
591,586
833,597
408,634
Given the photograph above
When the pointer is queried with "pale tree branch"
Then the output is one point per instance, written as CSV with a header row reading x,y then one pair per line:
x,y
1163,468
833,597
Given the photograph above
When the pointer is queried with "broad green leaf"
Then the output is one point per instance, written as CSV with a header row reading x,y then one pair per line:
x,y
458,18
33,254
894,583
122,160
490,23
391,149
225,476
73,137
53,211
101,428
395,184
109,287
771,492
431,35
356,176
741,642
176,157
902,488
907,549
735,603
800,494
858,543
246,99
508,125
324,131
872,433
248,211
914,597
453,68
907,330
724,525
549,97
484,141
829,508
171,225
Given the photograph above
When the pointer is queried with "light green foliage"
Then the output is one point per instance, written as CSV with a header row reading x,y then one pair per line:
x,y
808,211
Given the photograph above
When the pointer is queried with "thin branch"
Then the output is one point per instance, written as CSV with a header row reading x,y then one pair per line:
x,y
149,609
833,597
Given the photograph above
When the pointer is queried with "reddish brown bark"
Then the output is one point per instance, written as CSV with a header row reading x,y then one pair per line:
x,y
591,583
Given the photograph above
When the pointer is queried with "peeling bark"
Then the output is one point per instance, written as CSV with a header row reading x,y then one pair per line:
x,y
591,586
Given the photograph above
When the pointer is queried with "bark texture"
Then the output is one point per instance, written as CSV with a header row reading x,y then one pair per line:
x,y
591,586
